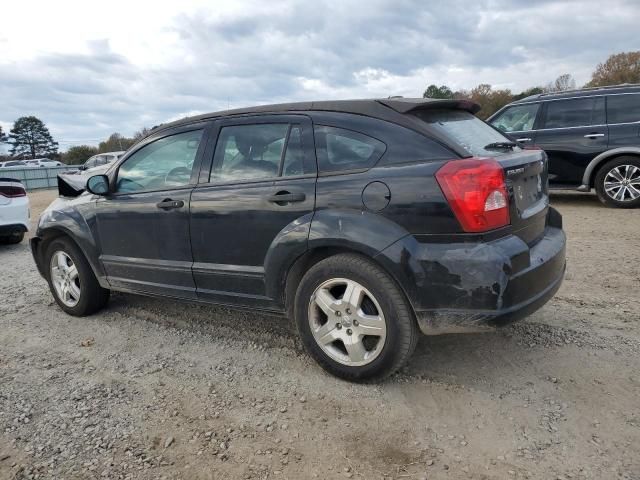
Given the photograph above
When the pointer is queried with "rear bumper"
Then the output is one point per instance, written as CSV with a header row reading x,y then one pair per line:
x,y
14,216
12,229
470,287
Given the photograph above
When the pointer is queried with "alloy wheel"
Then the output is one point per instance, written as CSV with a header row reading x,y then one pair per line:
x,y
65,279
347,322
622,183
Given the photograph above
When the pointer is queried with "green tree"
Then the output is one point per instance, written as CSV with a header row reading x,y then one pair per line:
x,y
30,137
115,143
433,91
3,136
528,93
490,100
618,68
562,83
79,154
140,134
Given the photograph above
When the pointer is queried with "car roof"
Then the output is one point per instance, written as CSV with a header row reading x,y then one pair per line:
x,y
391,109
582,92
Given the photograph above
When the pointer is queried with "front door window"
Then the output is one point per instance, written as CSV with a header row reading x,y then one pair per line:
x,y
164,164
519,118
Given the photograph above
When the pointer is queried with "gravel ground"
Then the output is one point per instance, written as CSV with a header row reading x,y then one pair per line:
x,y
155,389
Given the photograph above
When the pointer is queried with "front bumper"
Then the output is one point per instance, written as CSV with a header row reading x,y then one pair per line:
x,y
470,287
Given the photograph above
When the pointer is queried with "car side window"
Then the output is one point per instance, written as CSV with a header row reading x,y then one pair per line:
x,y
252,152
163,164
339,149
623,108
519,118
90,163
575,112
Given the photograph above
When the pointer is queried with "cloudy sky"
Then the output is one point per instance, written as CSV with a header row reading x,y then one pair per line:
x,y
91,68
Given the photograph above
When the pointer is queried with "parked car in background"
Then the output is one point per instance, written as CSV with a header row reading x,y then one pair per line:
x,y
95,165
44,162
14,211
591,135
365,220
101,159
13,164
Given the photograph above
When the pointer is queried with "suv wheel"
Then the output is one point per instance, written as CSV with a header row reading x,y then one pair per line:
x,y
618,183
353,319
71,280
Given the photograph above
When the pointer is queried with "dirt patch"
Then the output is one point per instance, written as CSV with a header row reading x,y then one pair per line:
x,y
154,389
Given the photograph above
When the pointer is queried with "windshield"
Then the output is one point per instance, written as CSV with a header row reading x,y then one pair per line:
x,y
467,130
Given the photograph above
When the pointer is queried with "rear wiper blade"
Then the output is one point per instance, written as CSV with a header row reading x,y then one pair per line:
x,y
493,146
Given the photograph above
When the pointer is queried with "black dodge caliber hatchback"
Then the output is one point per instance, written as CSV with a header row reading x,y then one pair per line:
x,y
367,221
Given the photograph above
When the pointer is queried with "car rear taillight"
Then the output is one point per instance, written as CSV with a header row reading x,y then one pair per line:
x,y
476,191
12,191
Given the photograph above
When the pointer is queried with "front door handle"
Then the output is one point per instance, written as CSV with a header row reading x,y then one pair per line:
x,y
284,197
168,204
523,139
594,135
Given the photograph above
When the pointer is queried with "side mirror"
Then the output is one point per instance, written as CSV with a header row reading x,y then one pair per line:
x,y
98,185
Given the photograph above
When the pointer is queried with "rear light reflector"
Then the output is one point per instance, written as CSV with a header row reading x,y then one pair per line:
x,y
477,193
12,191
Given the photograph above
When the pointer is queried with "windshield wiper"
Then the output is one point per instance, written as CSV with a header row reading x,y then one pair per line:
x,y
496,145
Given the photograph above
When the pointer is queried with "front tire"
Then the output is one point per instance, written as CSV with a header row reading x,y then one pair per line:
x,y
353,319
71,280
618,183
12,239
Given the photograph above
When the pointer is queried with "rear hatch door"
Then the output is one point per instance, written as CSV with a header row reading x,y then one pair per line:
x,y
526,171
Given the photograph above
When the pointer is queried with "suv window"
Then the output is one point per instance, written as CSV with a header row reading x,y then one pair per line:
x,y
162,164
466,129
575,112
338,149
251,152
623,108
519,118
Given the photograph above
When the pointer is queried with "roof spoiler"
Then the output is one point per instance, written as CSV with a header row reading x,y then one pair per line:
x,y
407,105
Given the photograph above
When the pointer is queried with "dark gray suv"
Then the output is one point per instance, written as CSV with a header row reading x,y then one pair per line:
x,y
592,138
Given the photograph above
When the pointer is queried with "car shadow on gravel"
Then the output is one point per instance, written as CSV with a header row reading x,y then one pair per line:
x,y
574,199
447,358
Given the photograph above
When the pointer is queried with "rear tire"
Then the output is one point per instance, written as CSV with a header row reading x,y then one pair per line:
x,y
12,239
71,280
618,183
369,331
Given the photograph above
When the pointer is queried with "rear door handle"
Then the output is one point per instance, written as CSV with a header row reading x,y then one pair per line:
x,y
594,135
523,139
284,197
168,204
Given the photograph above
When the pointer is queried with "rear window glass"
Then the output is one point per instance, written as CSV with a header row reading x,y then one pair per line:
x,y
623,108
338,149
466,129
576,112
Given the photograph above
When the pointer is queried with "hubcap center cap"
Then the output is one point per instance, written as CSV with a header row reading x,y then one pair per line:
x,y
346,322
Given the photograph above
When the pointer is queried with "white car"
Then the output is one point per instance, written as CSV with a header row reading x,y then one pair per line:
x,y
13,164
43,162
102,159
96,165
14,211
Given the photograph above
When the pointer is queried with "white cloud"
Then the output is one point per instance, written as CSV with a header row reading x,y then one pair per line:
x,y
91,68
